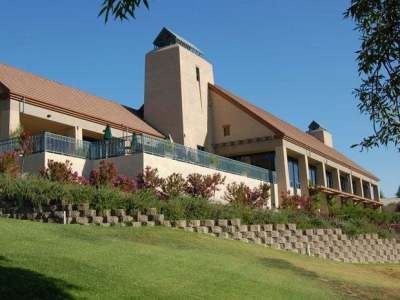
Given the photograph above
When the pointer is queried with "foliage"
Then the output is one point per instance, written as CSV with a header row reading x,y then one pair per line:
x,y
60,172
149,179
121,9
9,163
105,175
174,185
377,21
243,195
296,202
398,192
203,186
125,183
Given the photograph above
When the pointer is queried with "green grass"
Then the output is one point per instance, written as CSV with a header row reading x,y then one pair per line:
x,y
48,261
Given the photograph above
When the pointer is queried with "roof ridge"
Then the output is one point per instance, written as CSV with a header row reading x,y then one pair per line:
x,y
63,85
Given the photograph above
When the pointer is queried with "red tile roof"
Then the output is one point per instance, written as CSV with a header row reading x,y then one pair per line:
x,y
55,96
291,133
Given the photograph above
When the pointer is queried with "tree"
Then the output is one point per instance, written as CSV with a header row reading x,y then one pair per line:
x,y
378,22
121,9
398,193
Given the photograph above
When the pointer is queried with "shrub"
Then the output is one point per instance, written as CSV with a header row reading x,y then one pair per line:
x,y
105,175
108,198
125,184
60,172
149,179
9,163
242,194
174,185
296,202
204,186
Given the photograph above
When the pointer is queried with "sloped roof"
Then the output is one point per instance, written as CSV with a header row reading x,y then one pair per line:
x,y
54,95
289,132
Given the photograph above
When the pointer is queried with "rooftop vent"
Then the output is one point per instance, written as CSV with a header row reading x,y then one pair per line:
x,y
167,37
317,131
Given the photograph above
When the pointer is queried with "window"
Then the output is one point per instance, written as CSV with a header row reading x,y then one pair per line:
x,y
197,74
313,175
294,176
329,179
366,190
202,148
343,183
227,130
355,192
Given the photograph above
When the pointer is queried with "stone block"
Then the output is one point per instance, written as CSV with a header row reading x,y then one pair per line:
x,y
236,235
159,218
268,241
279,227
224,235
194,223
255,228
166,223
261,234
97,220
216,229
82,220
126,219
291,226
267,227
112,220
142,218
230,229
136,224
105,213
180,223
243,228
208,223
309,232
249,235
74,213
319,232
189,229
235,222
222,222
274,234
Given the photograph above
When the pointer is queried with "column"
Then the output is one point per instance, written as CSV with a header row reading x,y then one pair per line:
x,y
75,132
321,175
9,116
351,183
336,179
304,175
282,174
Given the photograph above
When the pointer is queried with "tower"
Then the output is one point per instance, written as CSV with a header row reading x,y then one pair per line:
x,y
176,90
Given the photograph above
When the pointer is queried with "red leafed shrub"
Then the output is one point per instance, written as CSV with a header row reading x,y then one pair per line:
x,y
105,175
174,185
149,179
296,202
203,186
25,142
125,184
9,163
60,172
242,194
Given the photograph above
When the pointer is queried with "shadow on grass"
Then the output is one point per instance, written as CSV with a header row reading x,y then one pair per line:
x,y
17,283
285,265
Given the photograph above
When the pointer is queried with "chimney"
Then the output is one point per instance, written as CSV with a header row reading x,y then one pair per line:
x,y
320,133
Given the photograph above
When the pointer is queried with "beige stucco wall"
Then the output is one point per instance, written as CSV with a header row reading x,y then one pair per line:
x,y
9,117
167,166
175,102
242,126
128,165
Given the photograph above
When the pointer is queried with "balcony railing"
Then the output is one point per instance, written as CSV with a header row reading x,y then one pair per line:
x,y
49,142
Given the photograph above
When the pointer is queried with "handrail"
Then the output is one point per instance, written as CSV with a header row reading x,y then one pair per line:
x,y
50,142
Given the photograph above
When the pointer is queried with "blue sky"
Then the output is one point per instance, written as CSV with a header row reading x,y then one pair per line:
x,y
293,58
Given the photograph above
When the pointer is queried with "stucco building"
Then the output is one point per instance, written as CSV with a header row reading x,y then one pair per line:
x,y
187,124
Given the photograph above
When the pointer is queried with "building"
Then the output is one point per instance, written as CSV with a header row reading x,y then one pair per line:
x,y
187,124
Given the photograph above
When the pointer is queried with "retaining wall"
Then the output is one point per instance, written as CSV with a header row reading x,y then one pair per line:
x,y
323,243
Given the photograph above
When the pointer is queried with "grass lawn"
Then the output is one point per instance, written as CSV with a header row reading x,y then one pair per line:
x,y
49,261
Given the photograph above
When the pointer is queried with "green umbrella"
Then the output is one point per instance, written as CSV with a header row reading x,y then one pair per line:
x,y
107,133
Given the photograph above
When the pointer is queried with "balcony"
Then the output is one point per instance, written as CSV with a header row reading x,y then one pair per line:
x,y
140,143
346,195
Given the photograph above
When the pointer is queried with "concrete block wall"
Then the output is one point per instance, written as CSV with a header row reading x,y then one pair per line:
x,y
330,244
